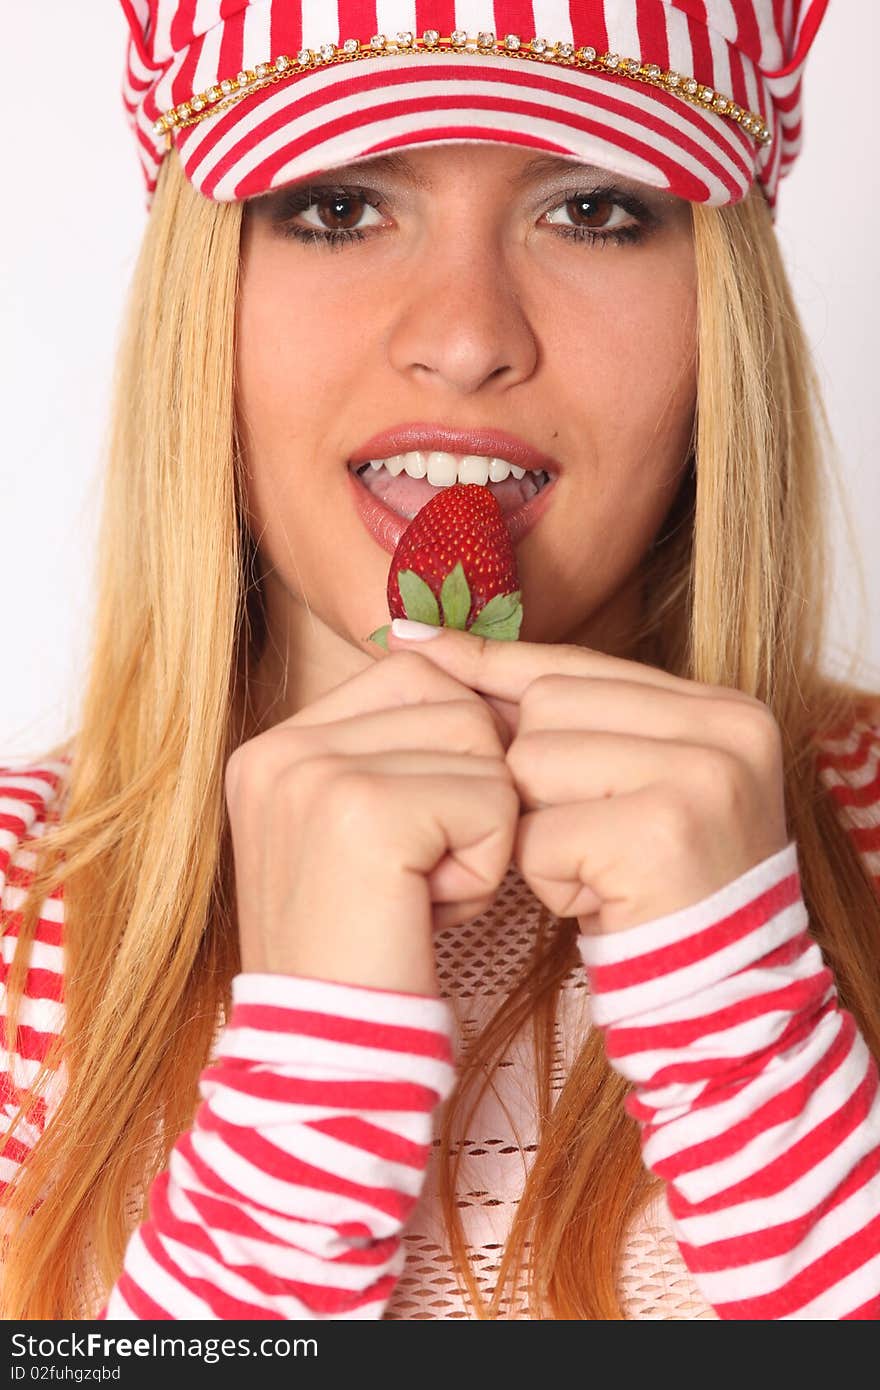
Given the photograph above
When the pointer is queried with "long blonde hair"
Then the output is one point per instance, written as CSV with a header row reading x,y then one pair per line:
x,y
735,593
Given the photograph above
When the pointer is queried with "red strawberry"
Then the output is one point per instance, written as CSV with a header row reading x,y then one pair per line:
x,y
454,566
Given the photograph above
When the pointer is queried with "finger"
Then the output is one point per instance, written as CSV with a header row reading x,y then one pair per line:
x,y
701,714
505,669
553,768
450,725
576,857
385,684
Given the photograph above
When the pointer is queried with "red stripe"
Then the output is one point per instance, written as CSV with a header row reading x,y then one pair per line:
x,y
220,1304
826,1271
793,998
229,58
748,32
39,984
704,62
790,1166
868,745
356,21
680,954
789,1104
355,1032
47,932
808,33
869,1311
866,795
772,1241
435,14
181,32
11,1094
287,1168
31,1044
653,39
372,1139
285,30
372,1094
183,84
687,184
588,23
145,1309
518,17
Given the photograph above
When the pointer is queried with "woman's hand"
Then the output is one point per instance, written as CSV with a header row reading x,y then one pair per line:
x,y
375,814
643,793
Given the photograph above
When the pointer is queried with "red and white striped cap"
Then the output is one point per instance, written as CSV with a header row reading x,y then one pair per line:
x,y
700,97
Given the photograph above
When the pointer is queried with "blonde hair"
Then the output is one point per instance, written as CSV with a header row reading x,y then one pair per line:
x,y
736,593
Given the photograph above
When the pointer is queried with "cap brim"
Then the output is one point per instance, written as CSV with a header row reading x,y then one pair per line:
x,y
318,120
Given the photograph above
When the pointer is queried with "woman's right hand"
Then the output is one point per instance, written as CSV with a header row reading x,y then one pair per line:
x,y
375,815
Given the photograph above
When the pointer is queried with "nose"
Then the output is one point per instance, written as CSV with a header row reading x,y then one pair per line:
x,y
459,322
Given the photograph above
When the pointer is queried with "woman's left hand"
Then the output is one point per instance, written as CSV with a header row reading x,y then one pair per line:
x,y
643,793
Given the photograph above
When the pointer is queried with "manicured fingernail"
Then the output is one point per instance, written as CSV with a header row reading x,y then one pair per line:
x,y
414,632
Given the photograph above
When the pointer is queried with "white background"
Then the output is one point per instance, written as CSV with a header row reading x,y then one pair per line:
x,y
73,214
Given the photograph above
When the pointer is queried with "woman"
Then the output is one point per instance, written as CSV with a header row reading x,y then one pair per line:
x,y
322,904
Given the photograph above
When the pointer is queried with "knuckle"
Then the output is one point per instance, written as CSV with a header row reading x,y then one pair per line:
x,y
717,777
675,817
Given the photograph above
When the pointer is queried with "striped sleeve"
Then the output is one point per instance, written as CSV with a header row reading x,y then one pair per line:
x,y
288,1196
755,1093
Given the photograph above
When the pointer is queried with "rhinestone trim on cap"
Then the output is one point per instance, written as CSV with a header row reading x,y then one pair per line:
x,y
231,90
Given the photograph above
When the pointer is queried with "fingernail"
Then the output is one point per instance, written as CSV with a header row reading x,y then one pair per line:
x,y
414,632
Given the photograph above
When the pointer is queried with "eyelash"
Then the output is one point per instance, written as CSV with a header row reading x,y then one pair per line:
x,y
335,240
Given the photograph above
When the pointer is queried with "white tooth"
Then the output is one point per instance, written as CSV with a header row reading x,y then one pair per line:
x,y
395,465
473,469
377,464
517,472
441,469
499,469
417,464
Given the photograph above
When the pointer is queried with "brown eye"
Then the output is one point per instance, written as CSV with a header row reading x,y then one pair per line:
x,y
590,211
339,211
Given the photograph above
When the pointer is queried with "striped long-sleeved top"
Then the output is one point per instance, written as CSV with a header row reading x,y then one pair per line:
x,y
300,1190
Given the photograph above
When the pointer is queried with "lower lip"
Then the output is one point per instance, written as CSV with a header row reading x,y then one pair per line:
x,y
387,526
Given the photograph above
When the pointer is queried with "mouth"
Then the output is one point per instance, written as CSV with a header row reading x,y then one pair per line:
x,y
389,492
405,482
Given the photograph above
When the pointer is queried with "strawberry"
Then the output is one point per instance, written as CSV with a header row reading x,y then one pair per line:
x,y
454,566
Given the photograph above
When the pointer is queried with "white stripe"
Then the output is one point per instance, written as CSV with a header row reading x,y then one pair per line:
x,y
748,984
799,1197
854,776
207,68
303,1057
475,15
45,1015
286,1261
342,1000
603,152
552,20
617,947
707,1122
257,35
724,19
151,1279
392,17
260,1112
291,1198
51,909
320,23
770,1144
42,955
347,1161
623,30
304,1234
844,1297
160,40
207,15
762,1277
630,1003
681,54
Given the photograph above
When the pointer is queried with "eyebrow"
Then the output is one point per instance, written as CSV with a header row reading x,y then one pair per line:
x,y
399,166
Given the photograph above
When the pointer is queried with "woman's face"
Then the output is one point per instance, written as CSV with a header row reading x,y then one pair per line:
x,y
482,287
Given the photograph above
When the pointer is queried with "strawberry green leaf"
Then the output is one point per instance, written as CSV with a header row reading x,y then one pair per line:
x,y
501,606
505,630
455,597
418,600
380,636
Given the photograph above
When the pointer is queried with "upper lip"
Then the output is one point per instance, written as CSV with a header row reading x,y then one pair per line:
x,y
490,443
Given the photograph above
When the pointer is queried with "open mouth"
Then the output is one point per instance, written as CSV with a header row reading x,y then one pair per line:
x,y
407,481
